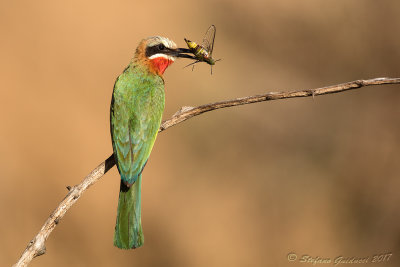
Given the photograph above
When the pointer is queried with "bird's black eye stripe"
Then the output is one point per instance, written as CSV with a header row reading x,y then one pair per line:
x,y
152,50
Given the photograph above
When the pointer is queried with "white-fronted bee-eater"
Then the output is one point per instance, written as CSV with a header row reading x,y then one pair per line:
x,y
136,109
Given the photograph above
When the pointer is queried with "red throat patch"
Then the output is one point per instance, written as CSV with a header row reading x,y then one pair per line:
x,y
160,64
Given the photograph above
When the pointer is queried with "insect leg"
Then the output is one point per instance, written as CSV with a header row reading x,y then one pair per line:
x,y
197,61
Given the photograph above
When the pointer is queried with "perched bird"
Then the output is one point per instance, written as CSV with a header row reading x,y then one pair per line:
x,y
136,109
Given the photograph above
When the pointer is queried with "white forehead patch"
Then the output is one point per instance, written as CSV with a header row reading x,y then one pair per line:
x,y
154,40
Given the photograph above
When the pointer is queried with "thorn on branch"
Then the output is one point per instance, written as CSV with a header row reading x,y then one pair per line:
x,y
360,83
183,109
312,93
271,96
39,247
68,188
40,252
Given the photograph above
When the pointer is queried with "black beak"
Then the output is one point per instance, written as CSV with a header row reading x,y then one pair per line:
x,y
181,52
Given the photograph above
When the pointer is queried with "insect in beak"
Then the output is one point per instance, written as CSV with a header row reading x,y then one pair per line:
x,y
181,52
203,52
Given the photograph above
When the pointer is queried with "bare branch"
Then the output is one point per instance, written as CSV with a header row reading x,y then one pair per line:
x,y
189,112
36,246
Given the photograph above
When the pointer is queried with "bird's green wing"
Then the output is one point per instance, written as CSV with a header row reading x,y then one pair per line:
x,y
136,112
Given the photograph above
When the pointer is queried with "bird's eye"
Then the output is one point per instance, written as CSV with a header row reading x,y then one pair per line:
x,y
161,47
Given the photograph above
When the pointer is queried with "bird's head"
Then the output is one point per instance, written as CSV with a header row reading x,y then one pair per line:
x,y
158,53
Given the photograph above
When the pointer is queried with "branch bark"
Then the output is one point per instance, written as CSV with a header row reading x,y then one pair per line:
x,y
36,246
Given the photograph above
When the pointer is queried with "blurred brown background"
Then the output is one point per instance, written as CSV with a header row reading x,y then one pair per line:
x,y
237,187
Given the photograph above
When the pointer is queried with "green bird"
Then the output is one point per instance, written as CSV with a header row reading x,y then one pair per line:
x,y
137,106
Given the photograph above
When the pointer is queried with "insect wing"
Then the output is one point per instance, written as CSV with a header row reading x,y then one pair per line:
x,y
208,40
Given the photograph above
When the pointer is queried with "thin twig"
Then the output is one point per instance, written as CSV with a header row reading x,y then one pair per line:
x,y
36,246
